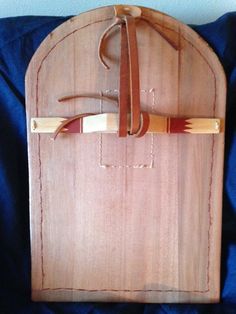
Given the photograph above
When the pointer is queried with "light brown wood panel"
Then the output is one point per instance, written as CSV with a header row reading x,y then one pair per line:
x,y
136,220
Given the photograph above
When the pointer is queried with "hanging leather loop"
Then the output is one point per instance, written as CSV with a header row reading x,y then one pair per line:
x,y
126,16
129,85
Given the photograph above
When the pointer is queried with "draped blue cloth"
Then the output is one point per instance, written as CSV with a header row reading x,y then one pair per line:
x,y
19,38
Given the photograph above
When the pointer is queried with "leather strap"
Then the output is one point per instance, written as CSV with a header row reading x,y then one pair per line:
x,y
117,21
93,96
124,84
129,86
134,74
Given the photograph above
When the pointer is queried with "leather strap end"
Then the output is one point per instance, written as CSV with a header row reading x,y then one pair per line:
x,y
144,124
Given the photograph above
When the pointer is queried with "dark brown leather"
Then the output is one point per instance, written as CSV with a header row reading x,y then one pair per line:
x,y
93,96
117,21
133,74
124,84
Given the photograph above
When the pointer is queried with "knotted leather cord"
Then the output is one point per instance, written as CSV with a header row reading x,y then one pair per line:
x,y
129,86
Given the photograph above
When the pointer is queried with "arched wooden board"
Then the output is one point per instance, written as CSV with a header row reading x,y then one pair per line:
x,y
125,219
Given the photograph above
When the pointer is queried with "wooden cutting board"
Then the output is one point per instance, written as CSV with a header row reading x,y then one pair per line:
x,y
125,219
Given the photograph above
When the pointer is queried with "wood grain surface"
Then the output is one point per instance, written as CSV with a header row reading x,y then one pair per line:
x,y
135,220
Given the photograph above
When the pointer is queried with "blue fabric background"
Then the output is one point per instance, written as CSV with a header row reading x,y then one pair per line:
x,y
19,38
